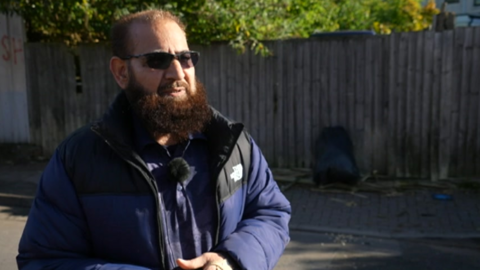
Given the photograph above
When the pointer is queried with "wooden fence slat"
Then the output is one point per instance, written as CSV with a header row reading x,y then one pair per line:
x,y
367,123
210,79
224,65
435,111
324,85
279,132
269,71
47,114
445,101
261,99
333,83
88,89
392,106
471,104
476,92
427,58
289,113
246,92
305,162
42,87
409,105
459,39
230,83
342,83
402,106
361,83
317,102
254,97
297,99
65,75
239,87
50,135
379,153
33,93
350,96
350,85
417,98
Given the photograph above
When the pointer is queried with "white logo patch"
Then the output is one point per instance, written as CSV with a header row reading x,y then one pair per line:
x,y
237,173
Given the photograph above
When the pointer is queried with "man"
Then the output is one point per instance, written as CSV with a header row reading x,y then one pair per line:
x,y
162,181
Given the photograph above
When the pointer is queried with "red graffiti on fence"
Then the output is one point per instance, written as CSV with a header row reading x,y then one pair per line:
x,y
11,46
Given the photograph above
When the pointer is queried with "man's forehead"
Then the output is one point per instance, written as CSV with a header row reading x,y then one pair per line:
x,y
159,26
154,33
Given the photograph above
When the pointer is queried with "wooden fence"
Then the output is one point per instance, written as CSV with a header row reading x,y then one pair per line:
x,y
410,101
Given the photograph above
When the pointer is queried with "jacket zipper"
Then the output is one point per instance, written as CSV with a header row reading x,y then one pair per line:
x,y
153,186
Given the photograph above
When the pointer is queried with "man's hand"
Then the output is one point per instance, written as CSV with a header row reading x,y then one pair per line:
x,y
207,261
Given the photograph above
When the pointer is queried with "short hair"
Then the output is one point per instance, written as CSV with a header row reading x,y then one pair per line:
x,y
120,33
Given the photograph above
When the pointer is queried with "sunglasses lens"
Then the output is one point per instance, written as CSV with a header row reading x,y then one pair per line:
x,y
189,59
159,60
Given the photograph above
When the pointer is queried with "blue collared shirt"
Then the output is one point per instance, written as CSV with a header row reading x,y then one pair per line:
x,y
188,208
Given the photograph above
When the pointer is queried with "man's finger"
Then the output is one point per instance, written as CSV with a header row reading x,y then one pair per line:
x,y
196,263
211,267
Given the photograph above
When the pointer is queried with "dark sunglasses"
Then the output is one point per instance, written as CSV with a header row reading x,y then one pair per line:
x,y
162,60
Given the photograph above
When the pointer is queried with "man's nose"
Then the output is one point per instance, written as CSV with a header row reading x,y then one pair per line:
x,y
175,71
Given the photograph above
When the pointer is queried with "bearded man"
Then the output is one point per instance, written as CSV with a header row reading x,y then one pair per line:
x,y
162,181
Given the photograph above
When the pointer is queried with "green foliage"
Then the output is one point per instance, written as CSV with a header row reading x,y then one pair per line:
x,y
402,15
244,23
247,22
75,21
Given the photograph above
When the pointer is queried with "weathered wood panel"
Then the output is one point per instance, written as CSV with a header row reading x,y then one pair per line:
x,y
51,77
435,108
445,104
476,92
427,71
392,106
409,100
457,67
379,161
366,148
279,97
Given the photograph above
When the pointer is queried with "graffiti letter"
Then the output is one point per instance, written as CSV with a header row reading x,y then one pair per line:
x,y
6,46
16,49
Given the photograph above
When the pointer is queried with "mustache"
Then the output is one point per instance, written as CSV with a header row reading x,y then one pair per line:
x,y
172,85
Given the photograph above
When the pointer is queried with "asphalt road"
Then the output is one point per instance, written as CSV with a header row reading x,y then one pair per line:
x,y
314,251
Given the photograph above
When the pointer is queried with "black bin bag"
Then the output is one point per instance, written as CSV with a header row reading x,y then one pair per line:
x,y
334,160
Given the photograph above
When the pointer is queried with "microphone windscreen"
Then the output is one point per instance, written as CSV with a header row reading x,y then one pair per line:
x,y
178,170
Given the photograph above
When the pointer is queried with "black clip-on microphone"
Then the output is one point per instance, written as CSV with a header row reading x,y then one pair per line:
x,y
178,170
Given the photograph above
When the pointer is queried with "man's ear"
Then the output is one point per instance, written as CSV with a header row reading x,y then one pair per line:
x,y
119,70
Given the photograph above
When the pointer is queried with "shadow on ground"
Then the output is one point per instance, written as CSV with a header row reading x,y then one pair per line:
x,y
310,251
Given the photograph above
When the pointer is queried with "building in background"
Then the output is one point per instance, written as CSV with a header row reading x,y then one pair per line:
x,y
467,12
14,123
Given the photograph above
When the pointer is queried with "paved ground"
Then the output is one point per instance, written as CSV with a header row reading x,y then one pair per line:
x,y
406,215
12,222
326,251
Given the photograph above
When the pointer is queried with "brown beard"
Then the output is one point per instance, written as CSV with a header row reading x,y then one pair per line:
x,y
162,115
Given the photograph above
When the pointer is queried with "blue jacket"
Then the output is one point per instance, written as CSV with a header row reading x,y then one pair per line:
x,y
97,205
